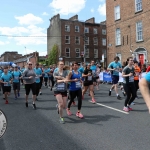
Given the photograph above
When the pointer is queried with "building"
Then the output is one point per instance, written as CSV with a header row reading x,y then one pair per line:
x,y
9,56
128,29
22,61
77,40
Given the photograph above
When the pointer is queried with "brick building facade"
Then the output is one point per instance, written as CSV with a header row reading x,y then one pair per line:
x,y
128,29
9,56
32,57
75,38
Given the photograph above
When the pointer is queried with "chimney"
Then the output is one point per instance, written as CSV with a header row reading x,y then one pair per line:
x,y
74,18
91,20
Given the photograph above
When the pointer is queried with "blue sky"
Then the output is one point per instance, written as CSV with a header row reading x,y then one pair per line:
x,y
31,18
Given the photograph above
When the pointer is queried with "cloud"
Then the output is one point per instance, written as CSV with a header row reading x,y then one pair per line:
x,y
102,9
66,7
45,14
4,43
30,30
29,19
102,0
92,10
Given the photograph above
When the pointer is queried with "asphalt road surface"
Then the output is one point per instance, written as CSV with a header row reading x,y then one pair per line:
x,y
104,127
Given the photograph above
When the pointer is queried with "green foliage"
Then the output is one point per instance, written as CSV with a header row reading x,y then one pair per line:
x,y
53,55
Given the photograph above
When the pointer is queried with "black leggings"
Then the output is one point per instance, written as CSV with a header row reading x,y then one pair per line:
x,y
45,80
41,82
130,92
52,80
136,82
32,87
37,88
73,95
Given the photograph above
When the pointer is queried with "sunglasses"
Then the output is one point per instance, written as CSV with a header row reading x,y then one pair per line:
x,y
30,64
61,64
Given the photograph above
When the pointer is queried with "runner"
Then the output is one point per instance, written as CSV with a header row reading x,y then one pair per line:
x,y
46,74
144,88
60,90
136,76
88,82
6,79
75,89
16,75
38,73
115,67
41,78
98,70
128,84
29,80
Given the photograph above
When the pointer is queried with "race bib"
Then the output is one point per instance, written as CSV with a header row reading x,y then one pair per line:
x,y
78,84
131,79
36,78
6,84
61,86
46,75
16,78
89,78
136,73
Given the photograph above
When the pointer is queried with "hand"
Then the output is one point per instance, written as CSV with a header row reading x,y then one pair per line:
x,y
130,74
89,74
30,77
76,80
65,81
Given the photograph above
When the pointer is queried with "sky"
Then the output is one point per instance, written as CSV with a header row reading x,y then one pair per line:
x,y
23,24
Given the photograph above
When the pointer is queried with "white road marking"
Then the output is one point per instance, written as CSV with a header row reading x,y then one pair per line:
x,y
112,108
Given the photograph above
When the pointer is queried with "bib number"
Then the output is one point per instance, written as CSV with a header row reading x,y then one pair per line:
x,y
78,84
16,78
6,84
89,78
61,86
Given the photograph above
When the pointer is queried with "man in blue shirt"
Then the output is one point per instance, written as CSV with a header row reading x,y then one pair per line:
x,y
38,73
115,67
6,79
144,88
16,75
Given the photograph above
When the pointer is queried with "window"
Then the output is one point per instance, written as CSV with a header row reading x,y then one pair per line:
x,y
104,31
104,52
95,41
67,28
118,37
77,50
95,31
138,5
86,30
86,40
95,53
139,31
86,53
67,52
67,39
76,28
103,42
77,40
117,12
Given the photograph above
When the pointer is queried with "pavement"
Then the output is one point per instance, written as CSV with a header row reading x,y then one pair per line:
x,y
104,127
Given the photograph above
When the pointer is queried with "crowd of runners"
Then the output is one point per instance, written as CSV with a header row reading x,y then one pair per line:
x,y
69,82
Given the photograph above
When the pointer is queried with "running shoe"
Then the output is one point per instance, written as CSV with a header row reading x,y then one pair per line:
x,y
130,109
125,109
26,104
34,106
124,93
109,93
137,97
68,112
51,88
89,94
61,120
78,114
57,108
40,93
6,102
118,97
93,101
3,98
18,94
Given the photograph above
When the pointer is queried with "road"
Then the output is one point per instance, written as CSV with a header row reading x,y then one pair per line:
x,y
103,128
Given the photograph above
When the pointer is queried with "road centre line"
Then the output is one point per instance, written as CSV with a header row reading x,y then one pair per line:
x,y
112,108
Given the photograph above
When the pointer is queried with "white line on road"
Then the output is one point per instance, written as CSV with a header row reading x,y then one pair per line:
x,y
112,108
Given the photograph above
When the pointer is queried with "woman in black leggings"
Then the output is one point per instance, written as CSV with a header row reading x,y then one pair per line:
x,y
128,84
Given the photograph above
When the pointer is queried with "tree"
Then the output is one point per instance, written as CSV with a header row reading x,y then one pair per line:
x,y
53,55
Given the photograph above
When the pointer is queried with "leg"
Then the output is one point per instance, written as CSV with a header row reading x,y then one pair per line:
x,y
133,93
128,93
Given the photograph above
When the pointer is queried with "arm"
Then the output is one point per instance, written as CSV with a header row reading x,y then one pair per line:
x,y
24,75
144,88
69,78
110,67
